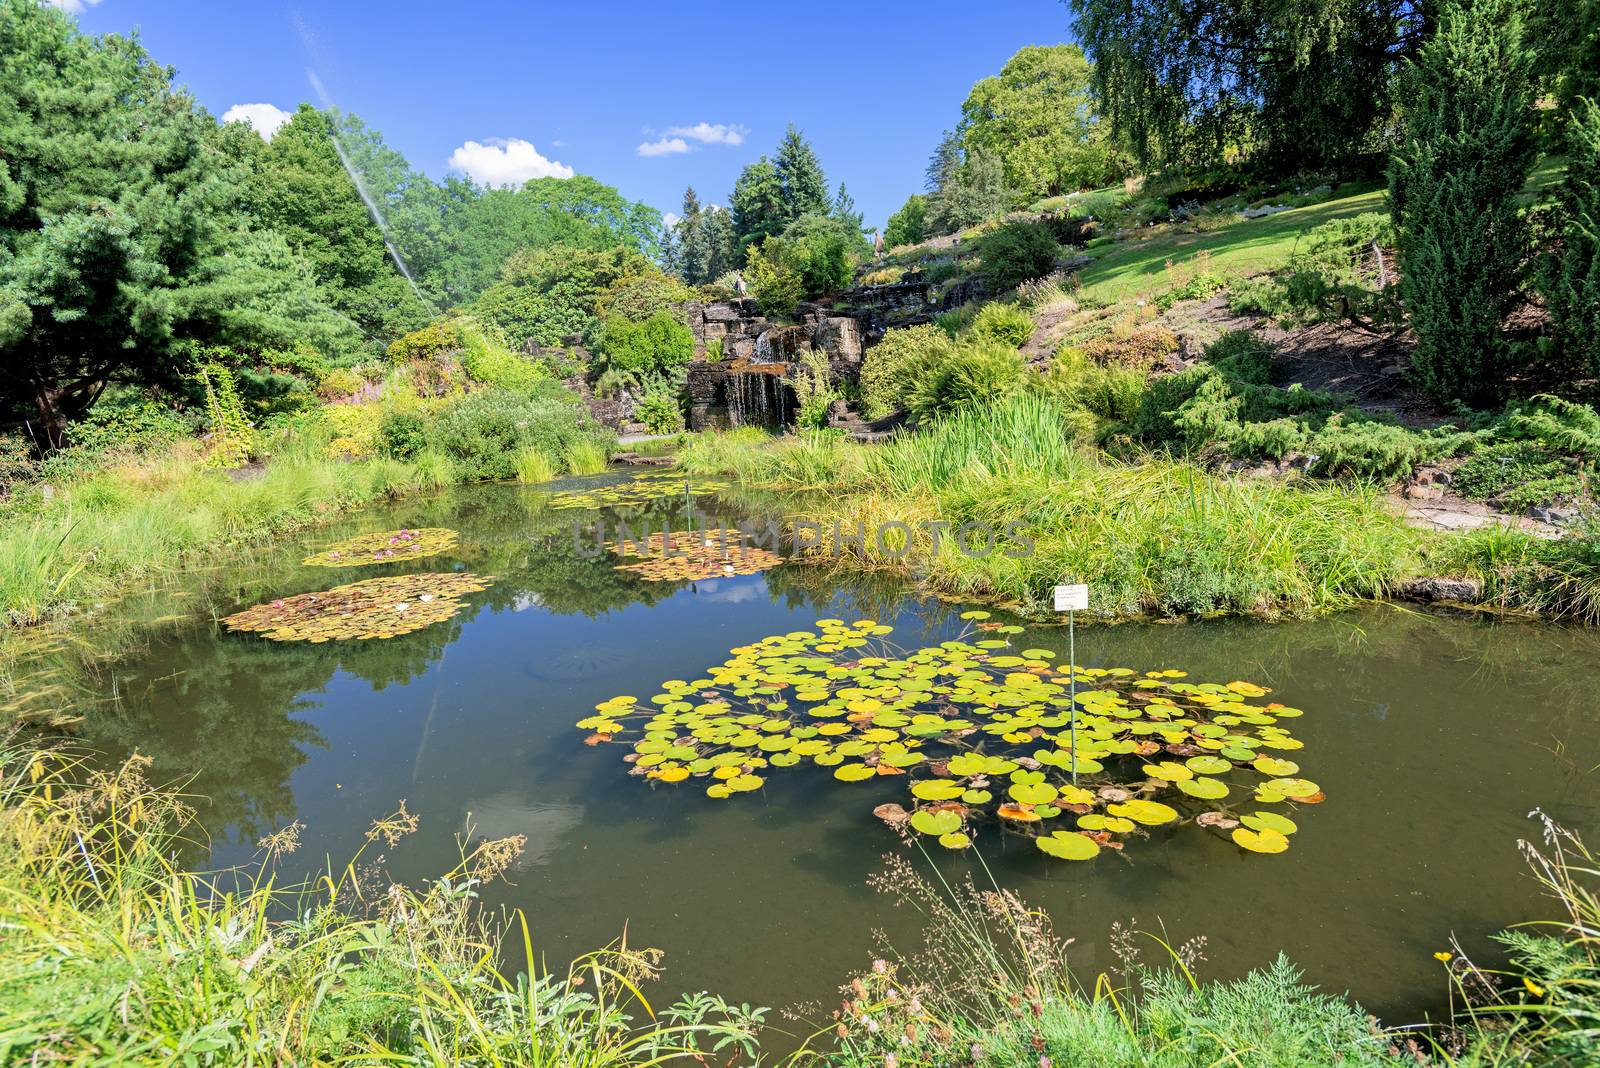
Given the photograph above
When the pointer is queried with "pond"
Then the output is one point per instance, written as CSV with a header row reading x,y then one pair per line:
x,y
1432,738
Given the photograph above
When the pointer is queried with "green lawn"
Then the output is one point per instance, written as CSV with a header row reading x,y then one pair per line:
x,y
1249,246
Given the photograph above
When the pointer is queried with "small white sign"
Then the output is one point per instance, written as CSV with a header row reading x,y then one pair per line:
x,y
1072,598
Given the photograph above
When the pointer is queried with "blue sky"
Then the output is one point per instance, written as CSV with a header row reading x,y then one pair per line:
x,y
587,82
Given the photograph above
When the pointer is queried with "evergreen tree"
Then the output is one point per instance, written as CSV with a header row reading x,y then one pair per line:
x,y
115,193
688,234
722,246
844,209
1453,188
805,189
758,203
966,186
1572,281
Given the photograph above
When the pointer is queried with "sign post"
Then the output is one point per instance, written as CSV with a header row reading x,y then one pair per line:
x,y
1071,599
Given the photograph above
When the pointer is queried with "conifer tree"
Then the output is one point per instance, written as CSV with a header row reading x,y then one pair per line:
x,y
805,188
1454,183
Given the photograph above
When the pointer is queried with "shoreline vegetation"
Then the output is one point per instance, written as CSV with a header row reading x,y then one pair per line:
x,y
112,954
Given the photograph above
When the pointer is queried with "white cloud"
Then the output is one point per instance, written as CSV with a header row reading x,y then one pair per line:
x,y
670,219
708,133
504,162
73,7
667,146
264,118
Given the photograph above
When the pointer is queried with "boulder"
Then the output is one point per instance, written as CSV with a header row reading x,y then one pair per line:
x,y
840,338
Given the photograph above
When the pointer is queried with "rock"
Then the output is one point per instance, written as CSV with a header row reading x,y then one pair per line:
x,y
840,338
1423,492
1264,211
720,313
1438,588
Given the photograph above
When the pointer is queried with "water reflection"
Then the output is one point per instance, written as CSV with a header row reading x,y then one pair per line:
x,y
1432,737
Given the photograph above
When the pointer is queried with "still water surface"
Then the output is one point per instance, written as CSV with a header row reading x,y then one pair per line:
x,y
1432,737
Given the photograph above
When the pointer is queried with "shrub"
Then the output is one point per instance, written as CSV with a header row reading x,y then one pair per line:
x,y
774,277
1241,356
971,374
1562,425
614,381
433,340
489,361
1143,347
1017,252
658,344
340,382
824,250
909,225
812,386
659,409
1454,188
886,372
483,432
1005,323
1109,393
402,434
640,297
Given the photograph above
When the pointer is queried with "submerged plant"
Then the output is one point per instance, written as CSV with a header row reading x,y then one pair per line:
x,y
692,555
978,729
385,547
374,608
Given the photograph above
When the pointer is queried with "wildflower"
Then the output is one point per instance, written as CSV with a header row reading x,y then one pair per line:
x,y
1533,988
1044,1062
872,1026
890,1061
1446,957
880,966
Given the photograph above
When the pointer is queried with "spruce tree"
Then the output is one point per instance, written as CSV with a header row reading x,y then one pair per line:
x,y
1572,282
805,189
722,247
759,205
1453,186
844,209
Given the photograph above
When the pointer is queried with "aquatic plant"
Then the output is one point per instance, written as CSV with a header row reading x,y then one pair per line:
x,y
692,555
385,547
640,490
978,729
374,608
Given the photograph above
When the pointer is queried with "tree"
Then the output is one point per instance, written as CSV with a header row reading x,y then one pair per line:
x,y
549,292
908,226
722,247
965,186
113,195
1040,118
1453,189
1571,282
689,237
301,189
844,209
805,188
1297,84
759,205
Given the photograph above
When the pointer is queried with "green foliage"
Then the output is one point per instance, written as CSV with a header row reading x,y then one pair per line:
x,y
887,371
660,409
966,186
805,188
613,381
659,343
1454,184
908,226
969,374
484,432
402,434
491,363
703,243
434,340
546,294
773,273
1017,252
642,296
1038,117
824,250
1108,395
232,435
1571,282
813,387
1187,84
757,204
1338,271
1559,424
1008,324
532,466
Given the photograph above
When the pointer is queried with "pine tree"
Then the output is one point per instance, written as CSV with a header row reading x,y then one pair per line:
x,y
1572,282
722,247
844,209
1453,185
805,188
758,203
689,240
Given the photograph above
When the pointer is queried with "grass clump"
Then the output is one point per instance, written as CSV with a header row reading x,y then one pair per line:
x,y
110,953
1005,323
1160,537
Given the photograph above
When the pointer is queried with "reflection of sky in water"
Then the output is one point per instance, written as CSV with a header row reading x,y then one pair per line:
x,y
763,898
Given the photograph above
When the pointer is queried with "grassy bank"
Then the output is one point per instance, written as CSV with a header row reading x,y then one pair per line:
x,y
110,954
1157,537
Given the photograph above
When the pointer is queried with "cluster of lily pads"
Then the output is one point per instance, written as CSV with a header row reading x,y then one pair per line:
x,y
372,608
978,730
385,547
641,489
692,555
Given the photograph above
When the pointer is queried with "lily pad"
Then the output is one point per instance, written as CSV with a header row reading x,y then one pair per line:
x,y
1068,845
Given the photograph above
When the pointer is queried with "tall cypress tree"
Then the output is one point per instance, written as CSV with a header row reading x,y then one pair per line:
x,y
805,188
1453,187
1572,282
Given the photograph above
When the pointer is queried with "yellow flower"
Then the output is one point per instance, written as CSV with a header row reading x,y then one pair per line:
x,y
1533,988
1443,956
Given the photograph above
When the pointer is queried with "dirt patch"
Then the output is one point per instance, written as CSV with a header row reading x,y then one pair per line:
x,y
1051,326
